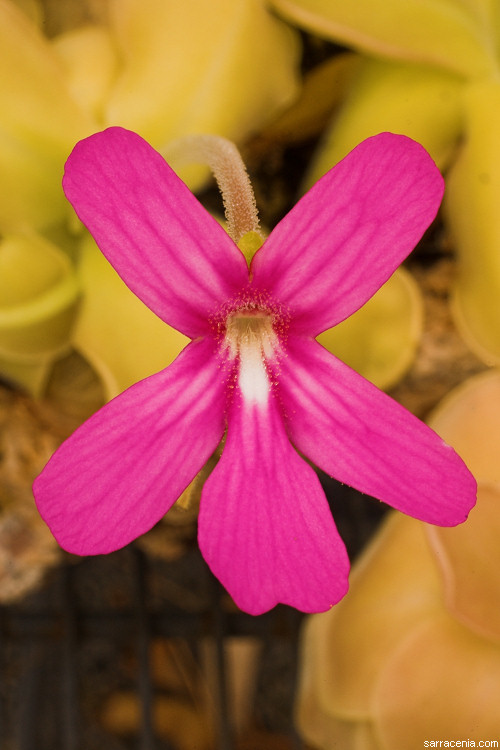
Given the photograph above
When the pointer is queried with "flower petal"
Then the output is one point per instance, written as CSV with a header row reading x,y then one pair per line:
x,y
349,233
362,437
265,527
120,472
167,248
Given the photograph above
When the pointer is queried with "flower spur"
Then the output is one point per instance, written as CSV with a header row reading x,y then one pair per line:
x,y
252,372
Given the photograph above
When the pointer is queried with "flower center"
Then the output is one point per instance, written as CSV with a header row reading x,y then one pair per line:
x,y
251,338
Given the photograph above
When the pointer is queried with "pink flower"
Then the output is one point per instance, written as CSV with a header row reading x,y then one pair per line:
x,y
254,369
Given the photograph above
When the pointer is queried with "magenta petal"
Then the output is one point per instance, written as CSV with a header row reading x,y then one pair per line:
x,y
167,248
360,436
348,234
265,527
120,472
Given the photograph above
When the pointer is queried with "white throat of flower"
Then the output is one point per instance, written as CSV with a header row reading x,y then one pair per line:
x,y
250,337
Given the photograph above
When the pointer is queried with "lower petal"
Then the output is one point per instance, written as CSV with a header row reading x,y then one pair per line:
x,y
120,472
265,527
362,437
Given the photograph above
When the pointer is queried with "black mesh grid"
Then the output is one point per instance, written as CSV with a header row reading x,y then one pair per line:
x,y
63,650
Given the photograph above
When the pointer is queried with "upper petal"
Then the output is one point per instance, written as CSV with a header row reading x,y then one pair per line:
x,y
167,248
349,233
359,435
265,527
120,472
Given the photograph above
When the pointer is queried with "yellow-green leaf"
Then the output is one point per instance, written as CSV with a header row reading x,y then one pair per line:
x,y
380,340
39,124
444,33
116,332
422,103
195,67
471,203
90,64
38,302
